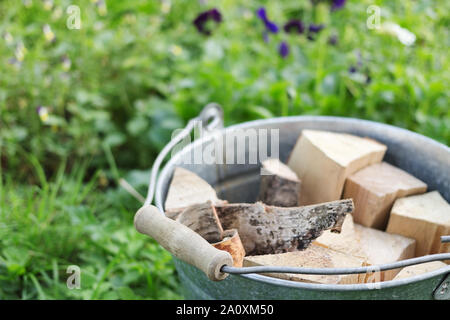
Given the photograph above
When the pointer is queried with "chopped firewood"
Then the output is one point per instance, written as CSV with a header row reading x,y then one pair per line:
x,y
202,218
232,243
374,190
280,185
186,189
312,257
419,269
425,218
266,229
323,160
347,241
382,247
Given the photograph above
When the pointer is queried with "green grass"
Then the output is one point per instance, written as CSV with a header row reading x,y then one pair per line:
x,y
64,221
137,73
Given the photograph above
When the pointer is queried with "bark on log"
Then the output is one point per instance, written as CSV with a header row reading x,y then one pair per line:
x,y
232,243
202,218
280,185
266,229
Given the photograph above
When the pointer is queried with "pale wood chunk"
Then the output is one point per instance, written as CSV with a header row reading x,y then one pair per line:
x,y
382,247
312,257
186,189
419,269
347,241
202,218
279,185
374,190
267,229
425,218
323,160
232,243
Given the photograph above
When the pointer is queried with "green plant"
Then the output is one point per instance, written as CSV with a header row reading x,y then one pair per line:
x,y
60,222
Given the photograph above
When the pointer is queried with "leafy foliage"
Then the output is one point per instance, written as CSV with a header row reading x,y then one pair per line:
x,y
46,228
137,70
141,69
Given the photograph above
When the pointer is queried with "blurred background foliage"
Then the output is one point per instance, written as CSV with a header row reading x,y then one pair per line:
x,y
137,70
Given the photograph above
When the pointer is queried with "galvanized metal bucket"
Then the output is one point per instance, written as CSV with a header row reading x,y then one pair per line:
x,y
425,158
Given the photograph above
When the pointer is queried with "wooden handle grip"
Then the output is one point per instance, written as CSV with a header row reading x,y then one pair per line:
x,y
182,242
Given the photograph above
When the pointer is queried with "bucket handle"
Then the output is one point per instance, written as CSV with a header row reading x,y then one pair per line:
x,y
179,240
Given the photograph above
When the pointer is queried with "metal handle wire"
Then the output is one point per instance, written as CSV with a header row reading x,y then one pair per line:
x,y
334,271
210,118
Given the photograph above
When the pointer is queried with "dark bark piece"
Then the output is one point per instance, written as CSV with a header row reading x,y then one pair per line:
x,y
280,185
203,219
267,229
232,243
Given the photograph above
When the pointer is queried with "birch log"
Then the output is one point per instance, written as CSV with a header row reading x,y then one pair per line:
x,y
266,229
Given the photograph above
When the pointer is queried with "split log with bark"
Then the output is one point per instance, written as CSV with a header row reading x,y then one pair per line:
x,y
267,229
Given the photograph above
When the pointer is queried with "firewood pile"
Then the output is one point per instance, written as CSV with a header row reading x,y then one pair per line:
x,y
334,204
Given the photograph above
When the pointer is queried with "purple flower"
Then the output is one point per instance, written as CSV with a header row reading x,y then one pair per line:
x,y
315,28
352,69
333,40
261,12
270,26
294,25
204,17
337,4
283,49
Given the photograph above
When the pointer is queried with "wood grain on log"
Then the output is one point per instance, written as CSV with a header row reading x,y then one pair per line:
x,y
382,247
202,218
374,190
266,229
312,257
232,243
347,241
323,160
279,185
425,218
418,269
